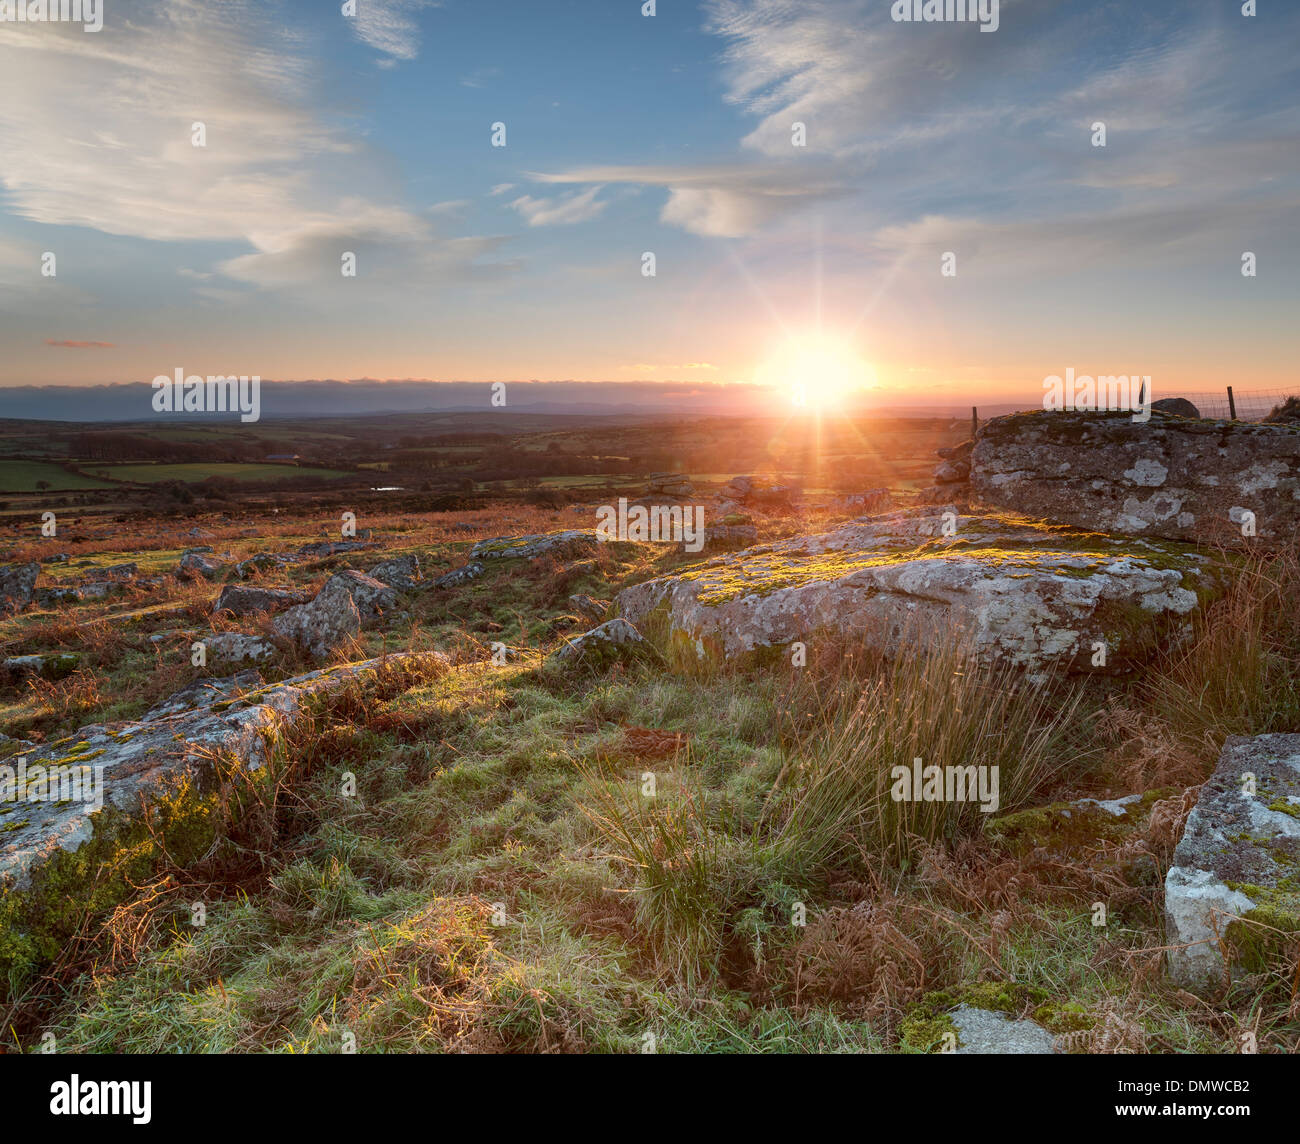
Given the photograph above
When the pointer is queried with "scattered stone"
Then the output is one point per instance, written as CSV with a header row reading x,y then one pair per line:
x,y
960,452
334,547
17,586
239,600
569,542
588,608
201,549
50,666
459,576
872,501
669,485
614,640
952,472
114,572
261,561
57,558
402,572
195,564
1237,859
1168,477
988,1031
1024,593
349,602
52,597
1176,406
237,647
722,536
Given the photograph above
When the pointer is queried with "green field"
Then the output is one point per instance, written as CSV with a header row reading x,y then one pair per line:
x,y
151,474
21,477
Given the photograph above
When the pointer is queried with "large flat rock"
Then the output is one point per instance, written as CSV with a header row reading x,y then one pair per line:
x,y
1023,592
1167,477
1239,857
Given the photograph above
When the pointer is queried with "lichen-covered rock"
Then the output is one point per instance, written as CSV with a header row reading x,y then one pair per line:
x,y
196,564
945,495
1168,477
614,640
17,586
62,857
52,666
402,572
324,548
237,647
1239,857
989,1017
721,536
585,606
951,472
53,597
458,576
262,562
349,602
125,571
871,501
570,542
242,601
988,1031
1022,592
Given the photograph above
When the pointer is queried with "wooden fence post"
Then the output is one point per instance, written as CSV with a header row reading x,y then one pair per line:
x,y
1232,405
974,422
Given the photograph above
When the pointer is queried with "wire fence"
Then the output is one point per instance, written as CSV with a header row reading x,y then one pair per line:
x,y
1229,403
1241,404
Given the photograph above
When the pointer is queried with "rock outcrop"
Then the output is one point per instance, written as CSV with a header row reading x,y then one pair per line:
x,y
1238,859
1022,592
349,602
54,847
1168,477
241,601
570,542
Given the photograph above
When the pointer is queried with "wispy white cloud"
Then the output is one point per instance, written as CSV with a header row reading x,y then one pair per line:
x,y
273,174
563,210
719,201
390,26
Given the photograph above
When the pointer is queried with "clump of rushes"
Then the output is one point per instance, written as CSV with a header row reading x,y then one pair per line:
x,y
1240,673
833,804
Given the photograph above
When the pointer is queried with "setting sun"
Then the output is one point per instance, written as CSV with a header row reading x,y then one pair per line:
x,y
816,371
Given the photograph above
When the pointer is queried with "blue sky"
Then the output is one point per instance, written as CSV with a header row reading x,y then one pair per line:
x,y
669,134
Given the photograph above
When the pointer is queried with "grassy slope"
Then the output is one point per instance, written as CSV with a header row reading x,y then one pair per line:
x,y
498,880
